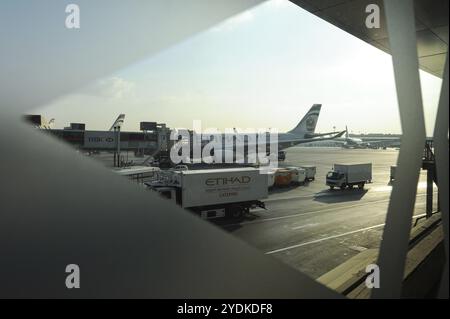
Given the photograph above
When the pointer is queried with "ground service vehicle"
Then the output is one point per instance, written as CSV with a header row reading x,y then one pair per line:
x,y
287,176
310,171
298,174
349,175
281,156
392,175
214,193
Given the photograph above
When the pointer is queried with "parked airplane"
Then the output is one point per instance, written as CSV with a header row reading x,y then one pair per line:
x,y
353,142
118,122
304,132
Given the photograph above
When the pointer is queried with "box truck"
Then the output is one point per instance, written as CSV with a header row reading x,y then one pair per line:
x,y
214,193
349,175
298,175
310,172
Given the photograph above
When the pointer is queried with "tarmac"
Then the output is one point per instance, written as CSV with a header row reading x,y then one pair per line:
x,y
310,227
314,229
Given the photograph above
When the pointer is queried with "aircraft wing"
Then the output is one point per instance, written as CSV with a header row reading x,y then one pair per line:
x,y
289,143
313,135
285,143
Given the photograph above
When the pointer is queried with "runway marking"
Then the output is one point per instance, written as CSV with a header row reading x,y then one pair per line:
x,y
382,188
337,209
325,193
330,237
322,239
304,226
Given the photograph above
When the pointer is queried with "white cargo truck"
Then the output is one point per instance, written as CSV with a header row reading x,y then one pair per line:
x,y
298,174
214,193
349,175
310,172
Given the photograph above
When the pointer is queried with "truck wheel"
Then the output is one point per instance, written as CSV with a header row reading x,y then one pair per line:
x,y
331,187
238,214
361,186
343,186
235,212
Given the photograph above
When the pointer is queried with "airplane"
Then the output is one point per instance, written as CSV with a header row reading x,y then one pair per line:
x,y
351,142
118,122
304,132
357,143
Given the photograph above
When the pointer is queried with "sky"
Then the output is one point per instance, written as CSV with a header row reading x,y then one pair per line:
x,y
263,68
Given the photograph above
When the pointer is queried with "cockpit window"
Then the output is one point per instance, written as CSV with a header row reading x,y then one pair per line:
x,y
333,175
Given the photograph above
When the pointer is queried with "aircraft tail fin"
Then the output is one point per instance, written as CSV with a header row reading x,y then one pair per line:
x,y
308,123
118,122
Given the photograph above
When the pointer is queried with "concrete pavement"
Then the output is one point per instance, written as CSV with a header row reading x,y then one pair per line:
x,y
314,229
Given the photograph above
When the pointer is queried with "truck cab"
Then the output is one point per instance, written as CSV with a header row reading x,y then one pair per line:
x,y
335,179
167,192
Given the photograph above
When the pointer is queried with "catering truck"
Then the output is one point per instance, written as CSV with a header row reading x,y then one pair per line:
x,y
214,193
349,175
